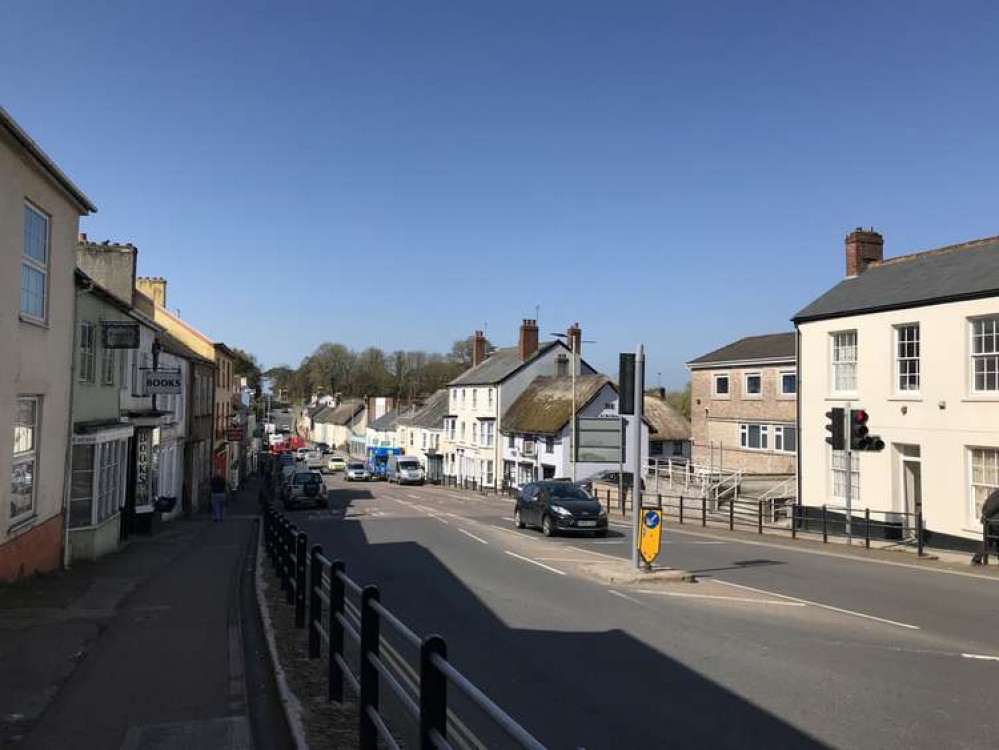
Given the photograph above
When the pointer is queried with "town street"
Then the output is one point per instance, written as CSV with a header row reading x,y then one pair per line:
x,y
774,647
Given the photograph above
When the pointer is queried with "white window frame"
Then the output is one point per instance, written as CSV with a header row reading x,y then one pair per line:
x,y
745,385
904,361
88,352
42,267
715,377
974,511
779,432
764,434
488,432
854,472
107,366
29,456
984,356
490,398
781,393
834,362
475,394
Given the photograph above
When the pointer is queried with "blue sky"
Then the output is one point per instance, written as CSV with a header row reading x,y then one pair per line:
x,y
401,173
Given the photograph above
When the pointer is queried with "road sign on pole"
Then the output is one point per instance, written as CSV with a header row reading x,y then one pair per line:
x,y
635,439
650,539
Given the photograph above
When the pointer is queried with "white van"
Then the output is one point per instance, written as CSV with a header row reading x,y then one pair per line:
x,y
404,470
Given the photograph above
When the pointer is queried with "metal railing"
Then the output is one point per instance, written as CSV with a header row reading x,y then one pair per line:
x,y
344,617
990,538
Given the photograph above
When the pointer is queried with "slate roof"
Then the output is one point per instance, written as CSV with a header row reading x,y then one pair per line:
x,y
545,406
665,422
964,271
339,415
500,365
431,415
772,346
387,421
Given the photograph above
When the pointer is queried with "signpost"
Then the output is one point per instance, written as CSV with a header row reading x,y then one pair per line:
x,y
649,541
631,390
234,434
598,440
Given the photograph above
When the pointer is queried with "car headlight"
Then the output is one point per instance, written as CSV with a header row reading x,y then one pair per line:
x,y
602,513
561,511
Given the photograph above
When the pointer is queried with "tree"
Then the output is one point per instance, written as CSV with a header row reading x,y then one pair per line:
x,y
461,350
245,365
680,400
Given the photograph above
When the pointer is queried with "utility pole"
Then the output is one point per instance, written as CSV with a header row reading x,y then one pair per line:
x,y
635,428
572,432
848,449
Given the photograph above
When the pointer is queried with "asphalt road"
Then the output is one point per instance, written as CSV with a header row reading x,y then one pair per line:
x,y
775,647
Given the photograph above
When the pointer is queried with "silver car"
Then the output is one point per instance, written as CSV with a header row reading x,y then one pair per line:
x,y
356,472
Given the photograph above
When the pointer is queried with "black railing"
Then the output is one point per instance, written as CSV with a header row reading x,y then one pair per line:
x,y
345,618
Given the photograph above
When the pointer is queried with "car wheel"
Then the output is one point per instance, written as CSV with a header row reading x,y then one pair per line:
x,y
547,527
517,520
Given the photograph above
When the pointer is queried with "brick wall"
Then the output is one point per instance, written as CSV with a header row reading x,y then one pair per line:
x,y
34,551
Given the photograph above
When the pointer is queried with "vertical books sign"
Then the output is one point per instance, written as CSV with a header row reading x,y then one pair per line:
x,y
143,465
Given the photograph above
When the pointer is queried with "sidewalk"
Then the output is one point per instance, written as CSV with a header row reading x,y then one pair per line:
x,y
140,649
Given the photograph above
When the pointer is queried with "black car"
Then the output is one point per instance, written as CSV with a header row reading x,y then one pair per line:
x,y
558,507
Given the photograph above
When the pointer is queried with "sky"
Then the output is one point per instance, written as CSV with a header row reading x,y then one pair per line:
x,y
399,174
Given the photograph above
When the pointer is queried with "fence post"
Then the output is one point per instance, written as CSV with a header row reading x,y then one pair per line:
x,y
334,675
867,528
759,516
369,675
825,527
985,542
301,545
704,511
919,533
681,510
433,693
731,514
289,564
315,603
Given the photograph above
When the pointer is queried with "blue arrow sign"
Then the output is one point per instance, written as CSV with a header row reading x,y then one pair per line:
x,y
651,519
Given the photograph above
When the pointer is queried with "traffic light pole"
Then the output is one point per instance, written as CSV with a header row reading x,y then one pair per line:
x,y
848,448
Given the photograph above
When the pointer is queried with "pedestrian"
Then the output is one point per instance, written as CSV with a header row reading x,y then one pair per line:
x,y
220,490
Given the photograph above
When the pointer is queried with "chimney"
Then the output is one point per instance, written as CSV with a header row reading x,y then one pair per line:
x,y
111,265
864,248
154,287
528,344
574,338
81,237
478,348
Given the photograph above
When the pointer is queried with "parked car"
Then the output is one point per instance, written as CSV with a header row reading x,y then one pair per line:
x,y
285,477
324,448
609,476
356,472
558,507
305,487
300,453
314,460
404,470
286,458
336,463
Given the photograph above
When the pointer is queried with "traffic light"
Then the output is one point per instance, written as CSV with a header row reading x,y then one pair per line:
x,y
860,437
837,438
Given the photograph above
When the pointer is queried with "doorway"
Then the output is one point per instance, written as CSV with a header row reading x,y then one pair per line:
x,y
910,486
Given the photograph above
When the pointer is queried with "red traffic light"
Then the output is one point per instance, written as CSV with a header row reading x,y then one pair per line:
x,y
860,416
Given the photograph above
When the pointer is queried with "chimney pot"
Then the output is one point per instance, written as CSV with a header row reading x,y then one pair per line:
x,y
528,343
864,248
81,237
478,348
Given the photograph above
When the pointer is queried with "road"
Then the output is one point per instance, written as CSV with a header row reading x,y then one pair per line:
x,y
774,647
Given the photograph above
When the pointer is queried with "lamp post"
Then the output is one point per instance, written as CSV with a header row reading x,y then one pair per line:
x,y
572,429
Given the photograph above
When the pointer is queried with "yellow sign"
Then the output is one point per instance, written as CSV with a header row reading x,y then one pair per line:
x,y
650,534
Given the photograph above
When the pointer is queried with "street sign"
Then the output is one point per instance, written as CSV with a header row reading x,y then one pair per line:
x,y
598,440
234,434
161,382
143,465
119,334
650,536
626,383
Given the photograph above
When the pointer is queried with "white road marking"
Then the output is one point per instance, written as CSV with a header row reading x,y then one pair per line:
x,y
515,532
509,518
718,597
591,552
535,562
442,520
414,497
476,538
610,541
983,657
631,599
820,605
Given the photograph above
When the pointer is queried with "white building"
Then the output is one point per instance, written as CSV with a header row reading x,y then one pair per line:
x,y
420,434
913,340
536,433
479,396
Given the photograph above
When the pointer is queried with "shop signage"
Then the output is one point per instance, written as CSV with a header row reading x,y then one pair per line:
x,y
143,465
234,434
161,382
119,334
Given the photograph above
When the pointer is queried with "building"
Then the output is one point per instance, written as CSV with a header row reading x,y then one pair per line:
x,y
669,436
537,429
421,432
743,410
337,425
914,341
382,432
40,210
225,457
479,396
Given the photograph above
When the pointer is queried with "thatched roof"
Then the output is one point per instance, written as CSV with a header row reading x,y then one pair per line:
x,y
545,406
665,422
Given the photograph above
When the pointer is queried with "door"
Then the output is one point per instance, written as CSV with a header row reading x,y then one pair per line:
x,y
910,486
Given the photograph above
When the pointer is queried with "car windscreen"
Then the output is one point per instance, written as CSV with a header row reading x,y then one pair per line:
x,y
306,479
409,464
566,492
355,465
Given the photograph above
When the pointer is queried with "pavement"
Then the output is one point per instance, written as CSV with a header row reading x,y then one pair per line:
x,y
776,645
146,648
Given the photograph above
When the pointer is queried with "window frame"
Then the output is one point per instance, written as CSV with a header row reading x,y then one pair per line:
x,y
31,455
715,377
898,359
745,385
88,352
108,362
974,514
34,264
780,432
972,356
834,363
781,393
744,436
854,472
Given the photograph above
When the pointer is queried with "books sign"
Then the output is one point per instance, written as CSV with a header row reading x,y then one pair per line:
x,y
161,382
119,334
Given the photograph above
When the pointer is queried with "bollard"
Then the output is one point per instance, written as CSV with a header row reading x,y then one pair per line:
x,y
825,527
919,533
731,514
681,510
315,603
334,675
704,511
867,528
985,542
759,516
369,673
289,564
301,545
794,525
433,693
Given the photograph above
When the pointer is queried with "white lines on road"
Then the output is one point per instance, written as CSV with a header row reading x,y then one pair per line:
x,y
509,518
534,562
982,657
413,497
591,552
820,605
631,599
718,597
476,538
442,520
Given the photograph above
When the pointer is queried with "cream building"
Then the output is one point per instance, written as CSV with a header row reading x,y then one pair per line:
x,y
420,434
914,340
40,210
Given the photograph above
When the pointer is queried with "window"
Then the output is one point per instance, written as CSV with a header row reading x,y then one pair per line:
x,y
839,476
510,442
97,490
490,398
720,386
411,438
23,470
489,474
549,445
984,478
88,351
677,448
788,383
785,438
753,383
985,355
907,358
34,263
475,392
753,436
462,396
475,433
462,430
844,361
107,366
423,440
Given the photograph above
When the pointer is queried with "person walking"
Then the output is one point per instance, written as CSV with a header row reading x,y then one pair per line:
x,y
220,490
